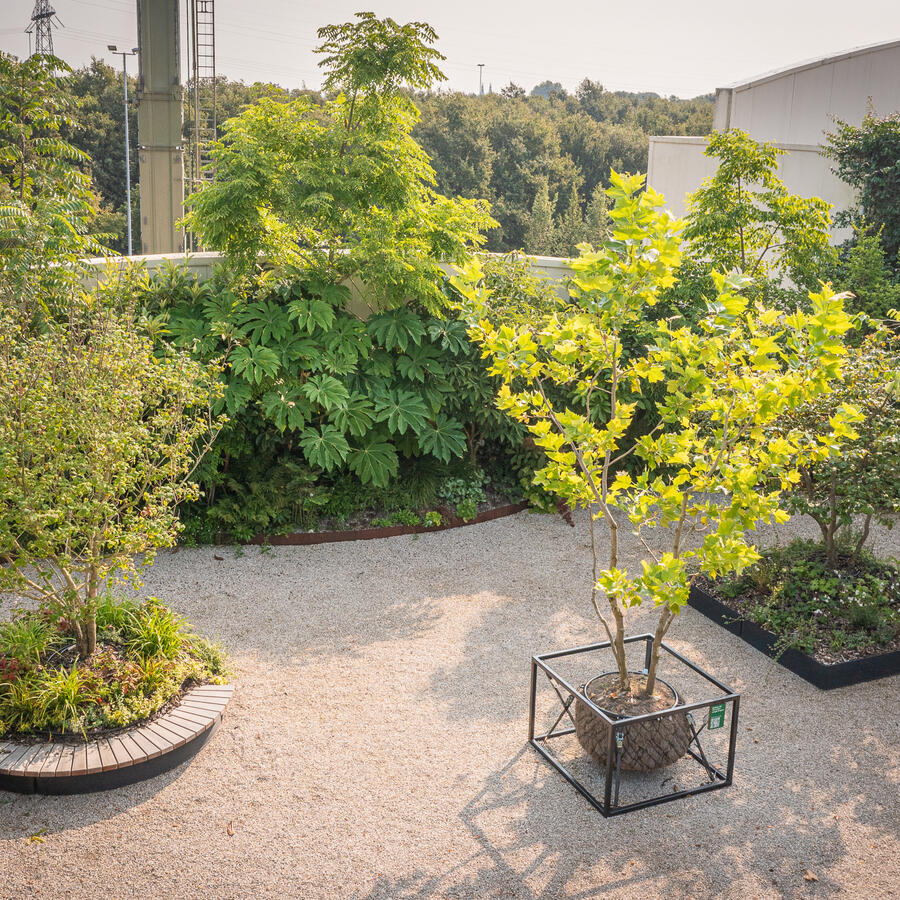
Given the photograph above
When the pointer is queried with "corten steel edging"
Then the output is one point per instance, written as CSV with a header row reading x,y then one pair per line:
x,y
825,676
307,538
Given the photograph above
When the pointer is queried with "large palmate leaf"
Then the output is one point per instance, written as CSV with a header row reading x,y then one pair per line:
x,y
265,322
374,462
450,333
327,391
355,416
254,363
286,406
310,313
397,329
401,410
420,361
326,449
443,438
237,395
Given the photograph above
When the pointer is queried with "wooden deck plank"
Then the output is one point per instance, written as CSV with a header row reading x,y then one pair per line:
x,y
51,761
66,758
195,722
22,763
133,749
93,760
160,734
225,689
203,717
208,701
49,754
185,733
107,758
122,756
145,742
79,763
11,760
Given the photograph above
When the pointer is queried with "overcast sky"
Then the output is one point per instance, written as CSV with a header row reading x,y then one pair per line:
x,y
684,48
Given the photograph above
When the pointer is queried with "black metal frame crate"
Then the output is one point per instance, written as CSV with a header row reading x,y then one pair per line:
x,y
709,706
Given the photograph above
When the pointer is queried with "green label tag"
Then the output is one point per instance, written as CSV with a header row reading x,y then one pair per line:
x,y
716,716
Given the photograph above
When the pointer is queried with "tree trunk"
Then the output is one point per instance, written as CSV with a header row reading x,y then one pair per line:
x,y
662,626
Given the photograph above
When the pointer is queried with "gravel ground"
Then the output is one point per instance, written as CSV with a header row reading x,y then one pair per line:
x,y
375,747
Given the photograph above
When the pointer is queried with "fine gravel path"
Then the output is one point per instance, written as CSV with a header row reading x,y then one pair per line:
x,y
375,747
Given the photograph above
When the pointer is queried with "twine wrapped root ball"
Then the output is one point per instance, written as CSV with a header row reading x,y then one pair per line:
x,y
648,745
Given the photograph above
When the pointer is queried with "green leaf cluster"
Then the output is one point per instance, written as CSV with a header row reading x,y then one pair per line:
x,y
710,469
342,190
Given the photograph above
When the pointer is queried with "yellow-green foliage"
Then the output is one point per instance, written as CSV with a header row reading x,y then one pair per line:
x,y
710,468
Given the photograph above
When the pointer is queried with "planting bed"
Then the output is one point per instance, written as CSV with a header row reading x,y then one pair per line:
x,y
137,753
823,675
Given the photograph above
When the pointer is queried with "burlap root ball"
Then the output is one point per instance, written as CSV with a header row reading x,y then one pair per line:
x,y
648,745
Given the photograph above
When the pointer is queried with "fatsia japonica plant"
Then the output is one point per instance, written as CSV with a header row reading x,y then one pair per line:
x,y
99,437
710,471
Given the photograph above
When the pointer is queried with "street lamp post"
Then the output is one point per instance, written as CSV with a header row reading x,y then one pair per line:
x,y
112,48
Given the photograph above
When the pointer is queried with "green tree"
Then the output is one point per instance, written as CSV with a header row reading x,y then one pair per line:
x,y
596,220
869,278
98,439
46,201
541,232
570,228
744,217
708,459
98,131
343,191
863,478
867,157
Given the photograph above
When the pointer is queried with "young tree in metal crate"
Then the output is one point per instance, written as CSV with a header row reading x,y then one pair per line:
x,y
708,470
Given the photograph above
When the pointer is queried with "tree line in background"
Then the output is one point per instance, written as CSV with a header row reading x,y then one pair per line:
x,y
541,160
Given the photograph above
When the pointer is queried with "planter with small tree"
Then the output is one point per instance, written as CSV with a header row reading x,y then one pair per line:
x,y
98,439
708,469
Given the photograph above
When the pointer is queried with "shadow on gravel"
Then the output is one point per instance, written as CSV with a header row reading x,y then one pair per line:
x,y
539,841
32,816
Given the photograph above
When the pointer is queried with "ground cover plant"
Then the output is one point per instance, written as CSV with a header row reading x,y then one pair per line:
x,y
145,656
708,465
835,609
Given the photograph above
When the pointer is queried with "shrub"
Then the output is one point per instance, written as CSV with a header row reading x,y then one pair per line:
x,y
98,439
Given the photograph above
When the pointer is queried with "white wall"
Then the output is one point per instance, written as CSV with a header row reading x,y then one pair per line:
x,y
677,167
799,105
553,268
794,108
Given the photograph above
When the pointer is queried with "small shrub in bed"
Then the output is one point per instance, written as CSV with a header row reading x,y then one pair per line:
x,y
146,655
834,611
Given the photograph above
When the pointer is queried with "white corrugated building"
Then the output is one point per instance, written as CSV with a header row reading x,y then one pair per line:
x,y
795,108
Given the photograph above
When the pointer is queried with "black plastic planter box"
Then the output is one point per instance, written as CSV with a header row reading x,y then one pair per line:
x,y
822,675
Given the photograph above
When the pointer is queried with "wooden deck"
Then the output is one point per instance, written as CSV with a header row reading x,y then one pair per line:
x,y
200,709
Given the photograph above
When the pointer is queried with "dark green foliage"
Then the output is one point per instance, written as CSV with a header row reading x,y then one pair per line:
x,y
862,477
98,130
330,415
867,157
817,606
505,147
46,202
